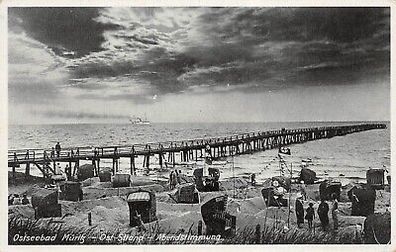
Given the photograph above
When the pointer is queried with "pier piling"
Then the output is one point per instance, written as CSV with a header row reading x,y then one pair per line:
x,y
188,150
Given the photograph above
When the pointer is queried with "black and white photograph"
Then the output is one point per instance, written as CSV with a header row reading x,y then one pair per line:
x,y
215,125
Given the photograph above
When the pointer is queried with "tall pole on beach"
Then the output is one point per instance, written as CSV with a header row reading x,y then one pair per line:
x,y
280,159
291,175
233,173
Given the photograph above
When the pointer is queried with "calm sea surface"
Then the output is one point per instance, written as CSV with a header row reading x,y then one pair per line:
x,y
349,156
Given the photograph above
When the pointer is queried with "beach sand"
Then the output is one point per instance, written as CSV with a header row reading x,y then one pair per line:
x,y
110,210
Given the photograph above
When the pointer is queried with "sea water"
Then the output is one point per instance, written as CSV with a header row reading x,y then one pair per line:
x,y
344,157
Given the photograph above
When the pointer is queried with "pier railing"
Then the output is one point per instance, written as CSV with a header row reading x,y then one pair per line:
x,y
262,140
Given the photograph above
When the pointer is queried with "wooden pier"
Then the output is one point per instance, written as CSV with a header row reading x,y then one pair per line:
x,y
167,152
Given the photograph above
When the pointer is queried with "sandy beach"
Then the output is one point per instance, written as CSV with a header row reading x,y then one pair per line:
x,y
110,213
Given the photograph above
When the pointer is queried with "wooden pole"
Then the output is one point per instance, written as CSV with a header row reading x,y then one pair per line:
x,y
160,159
94,165
70,168
289,203
148,161
132,164
98,168
27,170
13,171
77,164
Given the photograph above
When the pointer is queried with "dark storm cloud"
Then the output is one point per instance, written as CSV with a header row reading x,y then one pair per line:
x,y
259,48
297,46
303,24
62,29
156,66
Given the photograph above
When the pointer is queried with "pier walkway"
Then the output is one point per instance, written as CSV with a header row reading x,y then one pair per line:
x,y
167,152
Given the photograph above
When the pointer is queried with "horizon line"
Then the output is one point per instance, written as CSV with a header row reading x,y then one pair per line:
x,y
200,122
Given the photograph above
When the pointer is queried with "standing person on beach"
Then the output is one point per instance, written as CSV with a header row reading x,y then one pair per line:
x,y
68,172
323,211
253,179
177,177
170,180
173,180
310,215
303,189
334,211
299,210
58,149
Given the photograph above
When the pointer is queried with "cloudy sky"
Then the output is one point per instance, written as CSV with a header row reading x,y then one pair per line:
x,y
77,65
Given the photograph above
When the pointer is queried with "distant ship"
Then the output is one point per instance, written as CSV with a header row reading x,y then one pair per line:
x,y
139,121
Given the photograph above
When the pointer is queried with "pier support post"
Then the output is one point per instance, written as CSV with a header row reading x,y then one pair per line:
x,y
76,165
94,165
160,159
98,168
27,170
132,164
13,171
146,161
70,169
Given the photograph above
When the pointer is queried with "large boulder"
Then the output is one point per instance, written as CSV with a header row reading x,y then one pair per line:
x,y
121,180
85,171
363,200
185,193
45,203
105,176
308,176
375,178
44,198
71,191
328,188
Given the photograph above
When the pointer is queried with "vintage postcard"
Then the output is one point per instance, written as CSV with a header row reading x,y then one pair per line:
x,y
179,124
